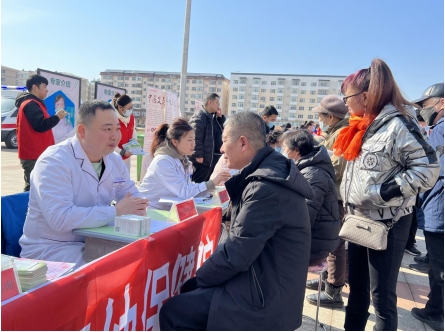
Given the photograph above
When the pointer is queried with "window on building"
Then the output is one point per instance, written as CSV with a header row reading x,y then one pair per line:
x,y
310,117
281,81
192,95
219,82
120,78
300,116
254,105
313,92
310,108
199,95
294,91
312,100
324,83
303,83
263,90
303,92
293,107
157,79
186,101
256,81
263,82
192,102
278,107
240,104
263,99
280,90
193,81
314,84
233,112
319,99
150,79
218,90
301,108
279,98
212,89
235,82
163,80
262,106
120,85
272,99
234,97
242,81
212,82
254,97
126,85
241,97
242,88
292,115
200,88
293,99
199,81
272,90
323,92
255,90
273,83
233,104
302,100
295,82
193,88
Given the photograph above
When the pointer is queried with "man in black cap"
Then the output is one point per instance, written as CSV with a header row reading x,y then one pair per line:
x,y
432,204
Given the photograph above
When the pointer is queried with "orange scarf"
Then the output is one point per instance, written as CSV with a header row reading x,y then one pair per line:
x,y
349,140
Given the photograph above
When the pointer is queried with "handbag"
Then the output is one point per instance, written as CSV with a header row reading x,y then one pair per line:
x,y
367,232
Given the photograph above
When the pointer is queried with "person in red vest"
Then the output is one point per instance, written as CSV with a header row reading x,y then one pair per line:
x,y
34,124
123,105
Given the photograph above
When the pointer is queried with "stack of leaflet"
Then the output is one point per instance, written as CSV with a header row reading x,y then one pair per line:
x,y
133,147
31,273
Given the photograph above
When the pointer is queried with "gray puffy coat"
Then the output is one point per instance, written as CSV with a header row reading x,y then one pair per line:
x,y
394,162
260,270
317,169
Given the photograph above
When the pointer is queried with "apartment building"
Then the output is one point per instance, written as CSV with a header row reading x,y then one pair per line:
x,y
22,76
197,87
9,76
294,96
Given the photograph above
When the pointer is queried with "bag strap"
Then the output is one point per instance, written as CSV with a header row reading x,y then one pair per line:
x,y
398,214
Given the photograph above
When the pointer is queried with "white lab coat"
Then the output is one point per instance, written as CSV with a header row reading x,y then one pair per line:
x,y
66,194
166,177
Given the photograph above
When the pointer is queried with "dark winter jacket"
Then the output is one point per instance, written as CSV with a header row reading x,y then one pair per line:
x,y
34,114
204,124
432,201
260,271
317,169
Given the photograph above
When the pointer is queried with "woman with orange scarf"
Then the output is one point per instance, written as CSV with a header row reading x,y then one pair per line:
x,y
387,161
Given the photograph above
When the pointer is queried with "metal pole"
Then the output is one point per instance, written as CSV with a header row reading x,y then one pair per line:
x,y
185,51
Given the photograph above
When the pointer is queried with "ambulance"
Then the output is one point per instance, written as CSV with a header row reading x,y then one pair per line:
x,y
9,114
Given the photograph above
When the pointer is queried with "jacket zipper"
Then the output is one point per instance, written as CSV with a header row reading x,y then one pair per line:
x,y
258,284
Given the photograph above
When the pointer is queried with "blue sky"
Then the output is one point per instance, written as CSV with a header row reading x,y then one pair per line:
x,y
317,37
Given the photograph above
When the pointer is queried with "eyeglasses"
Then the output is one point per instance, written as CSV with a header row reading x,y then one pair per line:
x,y
345,99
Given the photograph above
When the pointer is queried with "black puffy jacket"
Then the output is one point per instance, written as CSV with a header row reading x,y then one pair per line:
x,y
317,169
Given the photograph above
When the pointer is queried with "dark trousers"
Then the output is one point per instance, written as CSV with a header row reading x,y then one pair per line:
x,y
413,230
376,272
28,166
187,311
337,259
202,172
434,245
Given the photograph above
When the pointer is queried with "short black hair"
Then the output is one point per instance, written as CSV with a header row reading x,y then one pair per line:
x,y
299,140
269,110
209,97
87,111
35,79
288,125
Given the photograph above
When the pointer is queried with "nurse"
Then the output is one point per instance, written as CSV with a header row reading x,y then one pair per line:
x,y
169,174
73,185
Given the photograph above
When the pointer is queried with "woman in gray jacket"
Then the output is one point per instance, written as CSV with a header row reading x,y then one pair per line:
x,y
387,160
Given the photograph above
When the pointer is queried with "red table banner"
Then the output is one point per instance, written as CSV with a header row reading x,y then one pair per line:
x,y
123,290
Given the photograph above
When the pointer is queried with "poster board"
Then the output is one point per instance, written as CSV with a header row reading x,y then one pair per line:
x,y
106,92
63,93
161,107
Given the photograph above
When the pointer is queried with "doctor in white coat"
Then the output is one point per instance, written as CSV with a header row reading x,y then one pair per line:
x,y
73,185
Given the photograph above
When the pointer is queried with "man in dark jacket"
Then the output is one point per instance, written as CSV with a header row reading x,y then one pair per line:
x,y
255,280
208,125
34,124
431,201
269,115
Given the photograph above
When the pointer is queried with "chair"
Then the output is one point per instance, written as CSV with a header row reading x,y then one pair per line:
x,y
319,268
13,212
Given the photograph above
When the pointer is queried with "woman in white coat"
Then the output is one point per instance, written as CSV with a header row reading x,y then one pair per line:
x,y
169,174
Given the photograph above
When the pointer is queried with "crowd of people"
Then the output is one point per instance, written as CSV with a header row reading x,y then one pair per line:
x,y
289,189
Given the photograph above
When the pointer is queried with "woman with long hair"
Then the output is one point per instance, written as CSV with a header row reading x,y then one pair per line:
x,y
169,174
387,161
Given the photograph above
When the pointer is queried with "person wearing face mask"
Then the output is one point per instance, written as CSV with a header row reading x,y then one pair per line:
x,y
269,115
388,161
432,204
273,140
332,111
170,171
123,105
316,167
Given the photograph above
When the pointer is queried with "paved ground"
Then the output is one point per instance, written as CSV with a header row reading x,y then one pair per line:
x,y
412,287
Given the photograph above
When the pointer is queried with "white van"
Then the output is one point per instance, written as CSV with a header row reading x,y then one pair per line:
x,y
9,114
